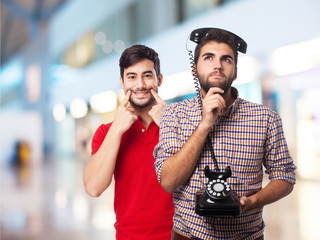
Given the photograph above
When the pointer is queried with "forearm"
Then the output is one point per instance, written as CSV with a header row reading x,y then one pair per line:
x,y
274,191
99,171
177,169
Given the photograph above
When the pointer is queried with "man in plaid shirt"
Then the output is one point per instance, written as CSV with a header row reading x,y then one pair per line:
x,y
245,136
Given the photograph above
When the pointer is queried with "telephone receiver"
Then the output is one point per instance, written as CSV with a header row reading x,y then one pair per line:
x,y
216,198
197,35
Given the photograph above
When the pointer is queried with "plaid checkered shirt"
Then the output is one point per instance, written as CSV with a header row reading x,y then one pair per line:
x,y
248,137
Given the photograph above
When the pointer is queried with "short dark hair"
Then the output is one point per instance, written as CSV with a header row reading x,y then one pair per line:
x,y
137,53
220,36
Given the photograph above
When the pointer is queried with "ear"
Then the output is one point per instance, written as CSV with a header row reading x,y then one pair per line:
x,y
235,74
160,78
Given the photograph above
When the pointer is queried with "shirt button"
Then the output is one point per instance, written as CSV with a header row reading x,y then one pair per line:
x,y
143,130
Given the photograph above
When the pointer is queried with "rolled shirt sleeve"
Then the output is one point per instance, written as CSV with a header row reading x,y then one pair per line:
x,y
169,139
278,162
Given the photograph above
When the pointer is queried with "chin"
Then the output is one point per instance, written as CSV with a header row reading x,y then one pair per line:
x,y
141,104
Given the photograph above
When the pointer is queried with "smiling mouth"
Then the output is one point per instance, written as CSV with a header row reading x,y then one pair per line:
x,y
141,92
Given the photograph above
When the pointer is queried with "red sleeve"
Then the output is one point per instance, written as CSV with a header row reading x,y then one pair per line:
x,y
98,137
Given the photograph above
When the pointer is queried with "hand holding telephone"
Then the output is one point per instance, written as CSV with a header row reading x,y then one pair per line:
x,y
216,199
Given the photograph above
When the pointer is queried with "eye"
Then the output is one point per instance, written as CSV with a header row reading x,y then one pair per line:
x,y
148,76
227,60
131,77
208,57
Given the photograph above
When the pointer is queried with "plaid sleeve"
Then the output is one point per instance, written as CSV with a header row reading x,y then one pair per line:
x,y
278,162
169,139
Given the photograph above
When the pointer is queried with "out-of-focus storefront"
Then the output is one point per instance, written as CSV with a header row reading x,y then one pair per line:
x,y
70,75
57,92
292,88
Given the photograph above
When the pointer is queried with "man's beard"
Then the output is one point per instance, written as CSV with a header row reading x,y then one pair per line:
x,y
206,84
142,105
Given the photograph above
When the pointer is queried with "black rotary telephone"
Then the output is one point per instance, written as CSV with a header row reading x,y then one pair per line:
x,y
216,199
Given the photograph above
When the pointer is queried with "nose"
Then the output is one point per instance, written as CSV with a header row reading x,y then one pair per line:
x,y
141,82
217,64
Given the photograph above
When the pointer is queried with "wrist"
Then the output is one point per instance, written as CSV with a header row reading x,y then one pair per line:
x,y
204,127
116,130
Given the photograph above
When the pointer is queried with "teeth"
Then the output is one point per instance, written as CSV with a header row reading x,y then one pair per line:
x,y
141,92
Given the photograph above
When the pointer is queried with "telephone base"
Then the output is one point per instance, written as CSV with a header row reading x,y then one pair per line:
x,y
206,206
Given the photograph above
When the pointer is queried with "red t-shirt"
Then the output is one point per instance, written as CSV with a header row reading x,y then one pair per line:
x,y
143,209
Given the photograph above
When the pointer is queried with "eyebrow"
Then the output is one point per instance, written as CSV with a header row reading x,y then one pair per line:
x,y
134,73
148,71
212,54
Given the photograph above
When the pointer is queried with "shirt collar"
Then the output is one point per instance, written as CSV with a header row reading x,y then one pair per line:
x,y
138,124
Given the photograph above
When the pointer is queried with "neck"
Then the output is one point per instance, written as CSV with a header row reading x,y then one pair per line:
x,y
145,118
228,98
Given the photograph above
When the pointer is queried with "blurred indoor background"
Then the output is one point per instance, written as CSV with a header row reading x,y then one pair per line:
x,y
60,81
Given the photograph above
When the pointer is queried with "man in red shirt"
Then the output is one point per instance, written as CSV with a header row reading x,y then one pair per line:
x,y
124,148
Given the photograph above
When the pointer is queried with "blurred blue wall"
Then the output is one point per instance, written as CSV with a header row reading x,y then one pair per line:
x,y
264,24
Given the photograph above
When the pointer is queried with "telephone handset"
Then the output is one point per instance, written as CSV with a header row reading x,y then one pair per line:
x,y
216,198
198,34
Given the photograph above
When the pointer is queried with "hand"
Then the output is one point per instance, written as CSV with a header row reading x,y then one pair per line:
x,y
245,203
125,115
212,105
157,109
275,190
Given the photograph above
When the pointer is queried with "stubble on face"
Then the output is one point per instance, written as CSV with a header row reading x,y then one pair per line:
x,y
215,66
206,83
140,106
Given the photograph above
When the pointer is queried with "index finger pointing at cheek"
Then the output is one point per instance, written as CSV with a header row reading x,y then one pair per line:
x,y
156,96
126,98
